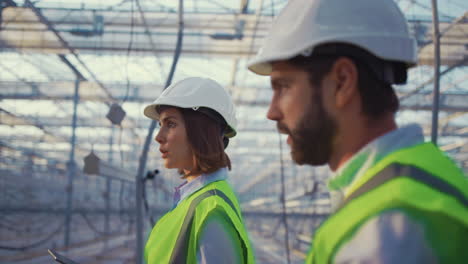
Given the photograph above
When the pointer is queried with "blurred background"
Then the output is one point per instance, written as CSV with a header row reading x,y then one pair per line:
x,y
75,76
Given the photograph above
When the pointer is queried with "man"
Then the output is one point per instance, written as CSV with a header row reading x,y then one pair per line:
x,y
332,64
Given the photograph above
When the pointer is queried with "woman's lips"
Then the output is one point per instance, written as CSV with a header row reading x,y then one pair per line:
x,y
164,153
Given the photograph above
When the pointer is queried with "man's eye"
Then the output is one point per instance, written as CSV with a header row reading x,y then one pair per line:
x,y
171,124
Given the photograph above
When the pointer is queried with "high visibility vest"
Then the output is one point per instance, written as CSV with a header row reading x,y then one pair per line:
x,y
420,180
174,237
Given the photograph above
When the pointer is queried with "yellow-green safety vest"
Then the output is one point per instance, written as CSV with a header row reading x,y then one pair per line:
x,y
174,237
421,181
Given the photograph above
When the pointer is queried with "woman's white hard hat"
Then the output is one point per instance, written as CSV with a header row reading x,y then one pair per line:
x,y
196,92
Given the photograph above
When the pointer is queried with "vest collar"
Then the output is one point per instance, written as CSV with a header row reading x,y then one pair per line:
x,y
368,156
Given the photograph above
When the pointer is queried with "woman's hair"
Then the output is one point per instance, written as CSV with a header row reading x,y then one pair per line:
x,y
205,136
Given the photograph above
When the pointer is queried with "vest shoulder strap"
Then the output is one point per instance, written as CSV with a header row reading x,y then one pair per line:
x,y
179,254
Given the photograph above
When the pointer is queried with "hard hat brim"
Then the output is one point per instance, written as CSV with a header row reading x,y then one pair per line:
x,y
261,64
151,112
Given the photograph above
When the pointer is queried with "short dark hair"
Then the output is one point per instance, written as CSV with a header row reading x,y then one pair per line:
x,y
377,96
205,136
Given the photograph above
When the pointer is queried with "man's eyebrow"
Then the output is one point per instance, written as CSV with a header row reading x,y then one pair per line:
x,y
278,81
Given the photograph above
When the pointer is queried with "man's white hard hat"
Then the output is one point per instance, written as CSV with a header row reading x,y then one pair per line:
x,y
377,26
196,92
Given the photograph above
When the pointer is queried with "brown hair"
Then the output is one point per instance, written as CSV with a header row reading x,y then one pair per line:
x,y
205,136
377,96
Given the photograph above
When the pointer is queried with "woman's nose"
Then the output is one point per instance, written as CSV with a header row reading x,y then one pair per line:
x,y
159,137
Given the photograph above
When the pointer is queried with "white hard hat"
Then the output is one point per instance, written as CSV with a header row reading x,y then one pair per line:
x,y
377,26
196,92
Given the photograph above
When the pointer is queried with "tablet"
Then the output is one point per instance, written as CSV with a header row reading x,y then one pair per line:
x,y
61,258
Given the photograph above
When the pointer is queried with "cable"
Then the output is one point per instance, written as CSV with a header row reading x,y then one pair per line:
x,y
88,222
35,244
257,20
283,201
150,38
145,204
129,48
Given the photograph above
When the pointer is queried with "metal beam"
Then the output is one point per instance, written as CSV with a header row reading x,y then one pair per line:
x,y
246,129
72,50
199,30
60,211
106,170
449,102
461,19
65,44
270,214
244,7
415,91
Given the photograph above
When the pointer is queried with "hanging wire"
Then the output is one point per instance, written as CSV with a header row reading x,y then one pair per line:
x,y
283,202
129,49
272,5
120,146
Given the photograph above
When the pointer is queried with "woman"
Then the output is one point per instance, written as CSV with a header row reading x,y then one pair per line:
x,y
196,118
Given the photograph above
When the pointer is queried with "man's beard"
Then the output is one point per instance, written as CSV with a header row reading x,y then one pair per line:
x,y
312,140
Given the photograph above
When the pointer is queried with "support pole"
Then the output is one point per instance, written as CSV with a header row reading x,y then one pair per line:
x,y
108,186
71,168
436,38
144,154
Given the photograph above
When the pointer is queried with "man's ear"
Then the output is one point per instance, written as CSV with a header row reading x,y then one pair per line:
x,y
345,74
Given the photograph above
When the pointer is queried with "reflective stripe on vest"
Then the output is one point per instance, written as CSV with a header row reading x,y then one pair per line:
x,y
179,254
396,170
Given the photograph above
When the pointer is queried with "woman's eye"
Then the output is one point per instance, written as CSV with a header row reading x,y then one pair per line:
x,y
284,87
